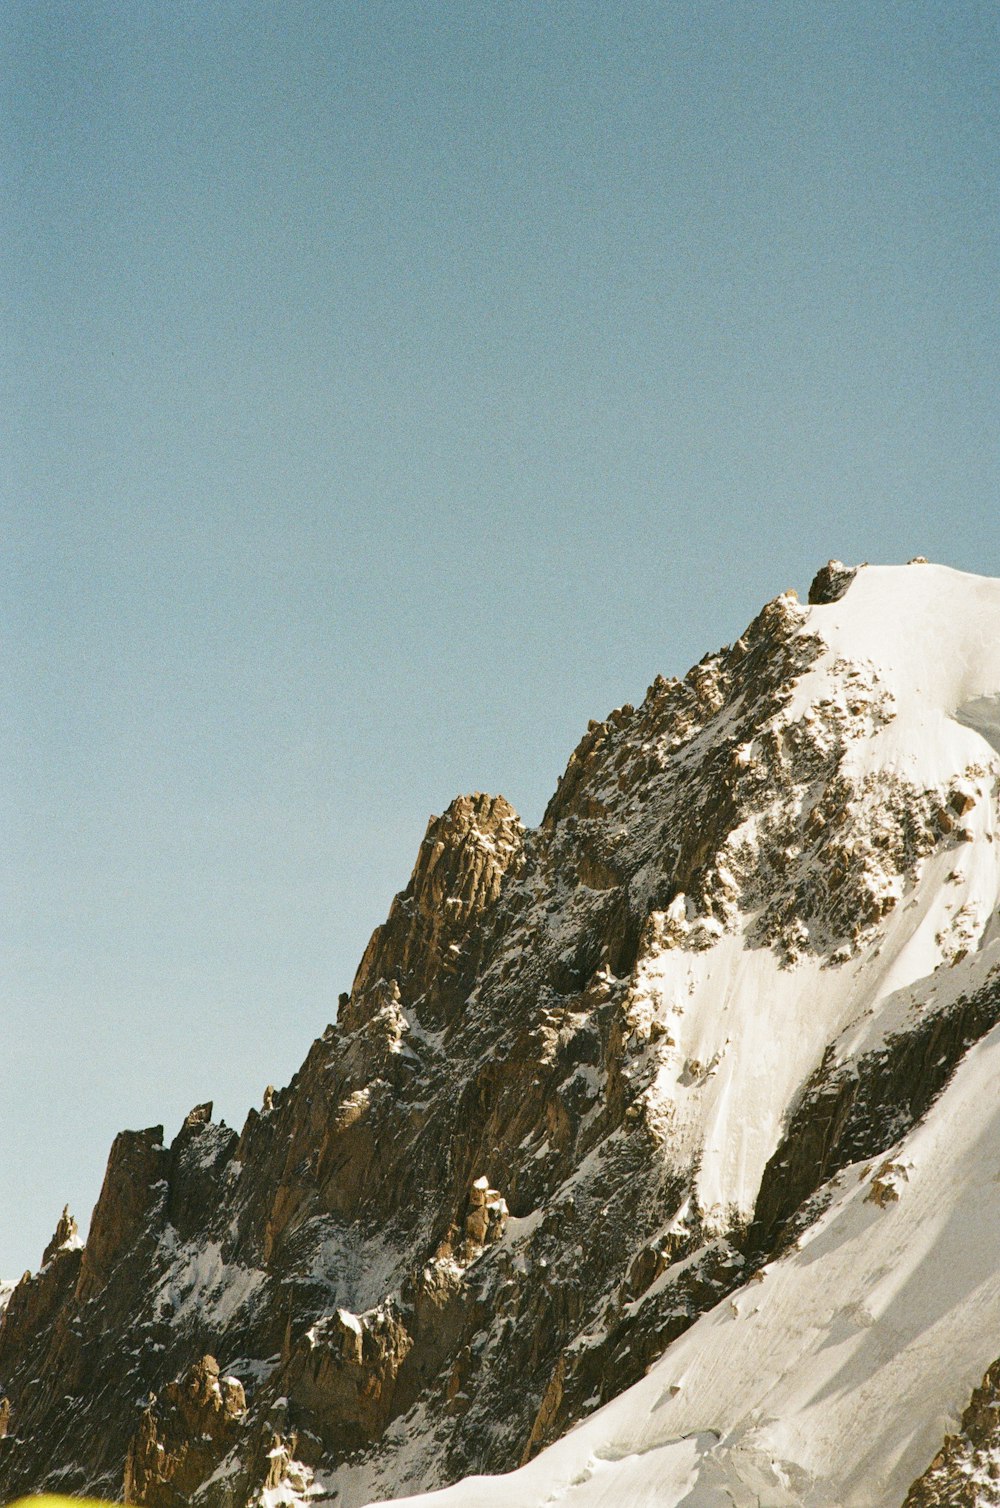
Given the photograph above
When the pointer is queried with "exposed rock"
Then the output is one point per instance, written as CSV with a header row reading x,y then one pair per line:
x,y
37,1300
427,945
343,1374
885,1184
182,1436
286,1479
831,582
853,1109
66,1235
137,1167
545,1425
966,1471
485,1218
199,1156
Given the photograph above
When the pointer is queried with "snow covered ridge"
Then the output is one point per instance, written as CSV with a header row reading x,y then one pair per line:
x,y
647,1152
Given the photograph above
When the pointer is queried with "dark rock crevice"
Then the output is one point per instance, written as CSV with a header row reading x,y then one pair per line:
x,y
857,1111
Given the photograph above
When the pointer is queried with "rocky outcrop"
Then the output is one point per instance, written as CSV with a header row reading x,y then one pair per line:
x,y
133,1184
39,1298
966,1471
182,1436
343,1374
830,583
66,1235
106,1321
428,945
853,1108
199,1157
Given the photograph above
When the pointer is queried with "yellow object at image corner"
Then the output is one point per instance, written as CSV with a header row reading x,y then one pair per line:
x,y
51,1500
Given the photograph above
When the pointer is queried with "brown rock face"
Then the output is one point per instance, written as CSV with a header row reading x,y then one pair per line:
x,y
842,1116
38,1300
183,1435
138,1162
344,1371
428,944
485,1217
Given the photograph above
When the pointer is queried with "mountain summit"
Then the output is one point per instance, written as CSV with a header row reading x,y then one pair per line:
x,y
674,1120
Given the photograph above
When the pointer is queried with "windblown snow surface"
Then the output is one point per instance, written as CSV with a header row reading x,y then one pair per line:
x,y
830,1379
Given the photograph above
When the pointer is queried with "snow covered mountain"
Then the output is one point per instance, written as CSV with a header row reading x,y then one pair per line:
x,y
654,1151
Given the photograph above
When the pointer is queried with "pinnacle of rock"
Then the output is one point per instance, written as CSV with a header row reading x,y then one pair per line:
x,y
427,945
831,582
201,1115
65,1232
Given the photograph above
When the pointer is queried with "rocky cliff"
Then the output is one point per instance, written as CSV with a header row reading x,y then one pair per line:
x,y
592,1082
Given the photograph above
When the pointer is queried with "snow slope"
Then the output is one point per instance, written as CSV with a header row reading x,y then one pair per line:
x,y
932,634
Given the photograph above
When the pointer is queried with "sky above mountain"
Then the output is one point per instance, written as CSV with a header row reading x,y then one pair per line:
x,y
389,390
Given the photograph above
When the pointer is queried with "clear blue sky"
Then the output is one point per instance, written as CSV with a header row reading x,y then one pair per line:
x,y
390,388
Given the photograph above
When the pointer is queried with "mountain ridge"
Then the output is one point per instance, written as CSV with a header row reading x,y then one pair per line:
x,y
591,1078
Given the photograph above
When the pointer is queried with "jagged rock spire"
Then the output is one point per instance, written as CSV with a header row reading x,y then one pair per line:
x,y
831,582
65,1234
422,946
